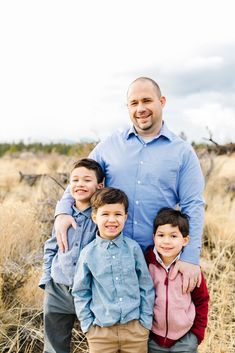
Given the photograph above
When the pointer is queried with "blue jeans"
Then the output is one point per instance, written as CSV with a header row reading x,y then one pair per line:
x,y
186,344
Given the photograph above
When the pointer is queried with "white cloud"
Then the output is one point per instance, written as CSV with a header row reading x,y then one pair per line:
x,y
65,66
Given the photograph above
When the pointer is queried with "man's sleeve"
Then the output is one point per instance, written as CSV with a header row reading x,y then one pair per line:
x,y
64,205
50,250
200,298
82,292
147,292
190,189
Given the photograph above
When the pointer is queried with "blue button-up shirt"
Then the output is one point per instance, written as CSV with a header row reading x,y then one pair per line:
x,y
61,266
112,284
163,172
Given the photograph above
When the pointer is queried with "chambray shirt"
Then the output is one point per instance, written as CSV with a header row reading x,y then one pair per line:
x,y
164,172
61,266
112,284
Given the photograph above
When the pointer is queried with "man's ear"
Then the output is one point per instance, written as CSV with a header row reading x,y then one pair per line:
x,y
186,240
163,101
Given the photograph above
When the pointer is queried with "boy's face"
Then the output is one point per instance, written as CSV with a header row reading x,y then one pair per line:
x,y
169,241
83,184
110,220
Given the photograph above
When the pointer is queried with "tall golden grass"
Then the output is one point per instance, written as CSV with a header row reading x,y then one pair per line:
x,y
26,218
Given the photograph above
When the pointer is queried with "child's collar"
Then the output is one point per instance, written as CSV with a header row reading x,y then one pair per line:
x,y
159,260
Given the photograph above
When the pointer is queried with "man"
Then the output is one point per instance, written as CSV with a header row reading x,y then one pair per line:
x,y
156,169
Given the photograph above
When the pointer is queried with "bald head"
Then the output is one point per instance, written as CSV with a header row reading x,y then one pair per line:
x,y
142,79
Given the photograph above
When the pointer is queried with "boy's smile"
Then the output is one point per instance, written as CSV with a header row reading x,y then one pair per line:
x,y
169,241
110,220
83,184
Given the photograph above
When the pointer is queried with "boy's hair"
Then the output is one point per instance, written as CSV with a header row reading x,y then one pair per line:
x,y
108,195
90,164
174,217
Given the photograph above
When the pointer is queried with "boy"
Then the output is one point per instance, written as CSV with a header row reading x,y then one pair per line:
x,y
113,289
179,320
59,268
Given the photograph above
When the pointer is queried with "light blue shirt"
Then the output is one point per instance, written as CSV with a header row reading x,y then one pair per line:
x,y
164,172
61,266
112,284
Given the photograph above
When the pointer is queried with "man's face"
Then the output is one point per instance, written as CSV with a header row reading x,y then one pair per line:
x,y
145,108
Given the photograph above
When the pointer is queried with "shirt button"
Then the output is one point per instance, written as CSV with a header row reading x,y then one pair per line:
x,y
120,299
137,202
76,244
74,264
138,181
116,278
141,162
135,222
113,257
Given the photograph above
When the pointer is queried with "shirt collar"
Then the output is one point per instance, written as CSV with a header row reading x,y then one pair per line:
x,y
167,267
86,212
163,132
105,243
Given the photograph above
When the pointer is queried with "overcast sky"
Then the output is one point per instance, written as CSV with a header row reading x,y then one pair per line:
x,y
65,66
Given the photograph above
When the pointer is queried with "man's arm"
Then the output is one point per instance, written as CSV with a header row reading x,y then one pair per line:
x,y
64,205
50,250
63,210
147,292
190,190
64,219
82,293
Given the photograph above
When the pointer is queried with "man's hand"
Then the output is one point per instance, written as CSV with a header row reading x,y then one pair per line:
x,y
191,275
62,224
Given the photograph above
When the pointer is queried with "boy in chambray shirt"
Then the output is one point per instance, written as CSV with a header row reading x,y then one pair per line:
x,y
113,290
59,267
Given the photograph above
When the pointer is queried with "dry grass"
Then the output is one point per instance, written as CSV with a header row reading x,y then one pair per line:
x,y
26,216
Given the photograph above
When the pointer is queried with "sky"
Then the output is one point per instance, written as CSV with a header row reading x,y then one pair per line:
x,y
65,66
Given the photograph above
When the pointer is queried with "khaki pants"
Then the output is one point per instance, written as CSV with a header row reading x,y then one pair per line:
x,y
131,337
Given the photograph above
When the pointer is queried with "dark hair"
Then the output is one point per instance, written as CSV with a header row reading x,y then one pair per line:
x,y
174,217
154,83
108,195
90,164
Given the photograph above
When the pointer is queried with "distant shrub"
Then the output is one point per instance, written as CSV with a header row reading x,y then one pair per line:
x,y
79,149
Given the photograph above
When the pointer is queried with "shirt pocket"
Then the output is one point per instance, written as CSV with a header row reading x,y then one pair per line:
x,y
129,271
163,176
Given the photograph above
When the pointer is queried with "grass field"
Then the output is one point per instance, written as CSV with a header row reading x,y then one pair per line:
x,y
26,218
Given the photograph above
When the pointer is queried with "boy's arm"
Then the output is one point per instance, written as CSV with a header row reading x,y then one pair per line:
x,y
82,292
147,292
200,298
50,250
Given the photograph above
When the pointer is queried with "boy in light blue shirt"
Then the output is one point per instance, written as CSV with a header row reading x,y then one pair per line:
x,y
113,291
59,268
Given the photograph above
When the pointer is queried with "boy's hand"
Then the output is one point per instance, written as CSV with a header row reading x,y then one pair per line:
x,y
191,275
62,224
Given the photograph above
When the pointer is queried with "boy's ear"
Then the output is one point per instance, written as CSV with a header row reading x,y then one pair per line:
x,y
100,185
93,216
186,240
